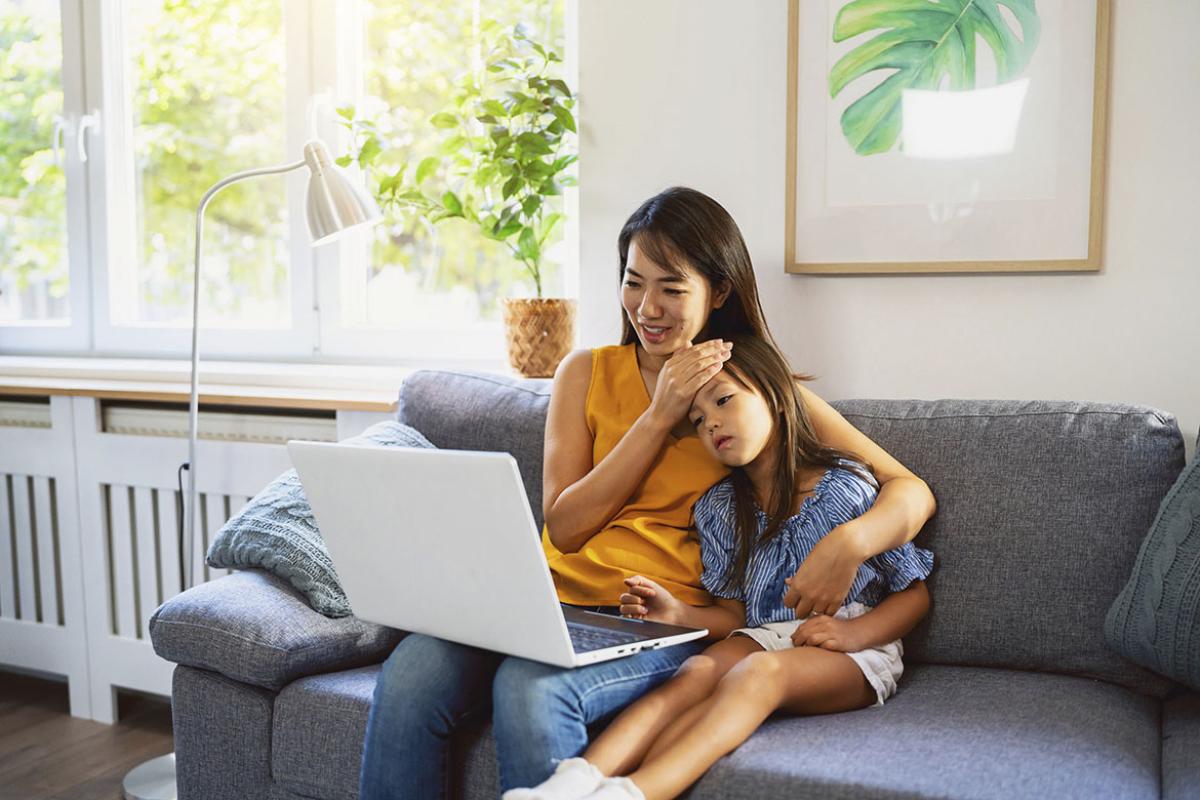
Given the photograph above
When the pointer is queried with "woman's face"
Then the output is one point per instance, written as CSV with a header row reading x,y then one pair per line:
x,y
666,311
734,423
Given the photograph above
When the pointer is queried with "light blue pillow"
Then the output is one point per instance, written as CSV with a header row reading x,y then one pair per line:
x,y
276,531
1155,620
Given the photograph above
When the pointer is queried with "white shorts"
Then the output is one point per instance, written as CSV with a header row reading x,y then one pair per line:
x,y
882,666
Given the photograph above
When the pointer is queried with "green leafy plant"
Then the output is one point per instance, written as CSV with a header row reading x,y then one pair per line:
x,y
927,43
506,149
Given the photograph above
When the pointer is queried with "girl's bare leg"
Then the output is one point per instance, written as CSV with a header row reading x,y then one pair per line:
x,y
682,723
624,743
688,718
805,680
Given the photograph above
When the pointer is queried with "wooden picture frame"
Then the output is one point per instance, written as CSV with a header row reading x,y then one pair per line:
x,y
855,212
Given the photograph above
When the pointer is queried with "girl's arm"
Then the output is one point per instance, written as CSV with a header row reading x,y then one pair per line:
x,y
892,619
645,599
722,618
903,506
578,498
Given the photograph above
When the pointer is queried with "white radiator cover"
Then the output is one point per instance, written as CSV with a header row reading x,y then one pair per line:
x,y
219,426
30,563
89,544
21,414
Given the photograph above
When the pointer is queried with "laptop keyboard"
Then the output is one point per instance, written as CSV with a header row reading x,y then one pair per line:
x,y
585,638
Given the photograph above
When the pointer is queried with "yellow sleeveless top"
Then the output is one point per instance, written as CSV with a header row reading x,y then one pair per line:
x,y
653,534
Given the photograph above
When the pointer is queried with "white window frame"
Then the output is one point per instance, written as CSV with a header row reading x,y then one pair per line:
x,y
75,332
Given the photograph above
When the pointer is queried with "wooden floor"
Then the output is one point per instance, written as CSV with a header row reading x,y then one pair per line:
x,y
46,754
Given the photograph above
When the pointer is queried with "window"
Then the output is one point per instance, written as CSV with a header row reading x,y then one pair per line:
x,y
33,206
151,102
409,277
206,83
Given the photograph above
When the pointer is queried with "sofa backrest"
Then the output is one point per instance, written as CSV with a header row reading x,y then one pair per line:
x,y
482,411
1041,508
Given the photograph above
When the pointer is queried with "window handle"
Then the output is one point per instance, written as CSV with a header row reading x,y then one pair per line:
x,y
85,122
56,138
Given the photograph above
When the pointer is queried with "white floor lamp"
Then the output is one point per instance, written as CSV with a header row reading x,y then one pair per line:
x,y
335,205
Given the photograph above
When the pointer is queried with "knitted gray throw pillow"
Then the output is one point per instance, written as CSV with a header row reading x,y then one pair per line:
x,y
1155,620
276,531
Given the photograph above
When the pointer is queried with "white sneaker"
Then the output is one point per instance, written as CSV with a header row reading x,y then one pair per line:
x,y
573,779
617,789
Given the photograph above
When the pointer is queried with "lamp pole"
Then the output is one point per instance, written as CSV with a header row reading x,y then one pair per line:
x,y
188,544
334,206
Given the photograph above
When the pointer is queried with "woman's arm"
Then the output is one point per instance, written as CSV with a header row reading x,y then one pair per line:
x,y
903,506
905,502
579,499
898,614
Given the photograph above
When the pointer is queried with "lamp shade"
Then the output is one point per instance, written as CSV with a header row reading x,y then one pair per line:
x,y
335,204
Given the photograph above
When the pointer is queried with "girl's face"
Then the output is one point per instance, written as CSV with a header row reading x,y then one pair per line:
x,y
734,422
666,311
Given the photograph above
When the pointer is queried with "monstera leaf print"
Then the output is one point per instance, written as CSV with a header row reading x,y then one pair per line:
x,y
928,43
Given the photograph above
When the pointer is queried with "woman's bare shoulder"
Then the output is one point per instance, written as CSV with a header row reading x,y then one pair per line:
x,y
575,368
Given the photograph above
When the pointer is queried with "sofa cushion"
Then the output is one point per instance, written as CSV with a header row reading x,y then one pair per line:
x,y
949,732
957,732
1155,621
1181,743
253,627
276,530
480,411
1041,509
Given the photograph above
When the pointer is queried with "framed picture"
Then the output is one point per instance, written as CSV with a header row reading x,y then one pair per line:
x,y
946,135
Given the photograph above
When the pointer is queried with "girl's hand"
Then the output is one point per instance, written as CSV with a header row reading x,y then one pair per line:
x,y
688,368
829,633
824,578
645,599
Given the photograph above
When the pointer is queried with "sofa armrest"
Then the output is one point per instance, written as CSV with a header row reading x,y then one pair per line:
x,y
255,628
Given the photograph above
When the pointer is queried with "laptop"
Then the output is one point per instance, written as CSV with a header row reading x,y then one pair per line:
x,y
442,542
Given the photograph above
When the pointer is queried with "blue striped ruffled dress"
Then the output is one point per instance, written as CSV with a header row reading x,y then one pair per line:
x,y
839,496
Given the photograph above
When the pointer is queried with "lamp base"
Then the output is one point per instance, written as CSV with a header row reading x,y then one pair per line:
x,y
151,780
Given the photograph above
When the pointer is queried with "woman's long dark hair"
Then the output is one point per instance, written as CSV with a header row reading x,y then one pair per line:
x,y
681,228
759,366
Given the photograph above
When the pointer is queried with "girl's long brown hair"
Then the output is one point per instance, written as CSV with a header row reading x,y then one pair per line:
x,y
759,366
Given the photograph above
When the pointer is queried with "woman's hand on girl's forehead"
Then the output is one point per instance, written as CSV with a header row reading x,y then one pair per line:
x,y
682,376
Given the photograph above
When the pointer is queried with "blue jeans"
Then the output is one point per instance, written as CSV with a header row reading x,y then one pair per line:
x,y
540,713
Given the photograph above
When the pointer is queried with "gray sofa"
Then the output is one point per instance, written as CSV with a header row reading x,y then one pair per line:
x,y
1009,689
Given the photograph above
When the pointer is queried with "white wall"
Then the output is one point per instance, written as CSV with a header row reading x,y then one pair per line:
x,y
693,92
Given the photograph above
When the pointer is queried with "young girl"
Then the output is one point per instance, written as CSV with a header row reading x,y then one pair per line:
x,y
786,492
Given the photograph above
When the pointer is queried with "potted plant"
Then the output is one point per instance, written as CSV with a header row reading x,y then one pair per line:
x,y
503,159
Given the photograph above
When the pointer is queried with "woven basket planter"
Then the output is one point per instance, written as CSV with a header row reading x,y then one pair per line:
x,y
540,334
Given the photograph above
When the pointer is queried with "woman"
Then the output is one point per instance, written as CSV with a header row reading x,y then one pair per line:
x,y
622,471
